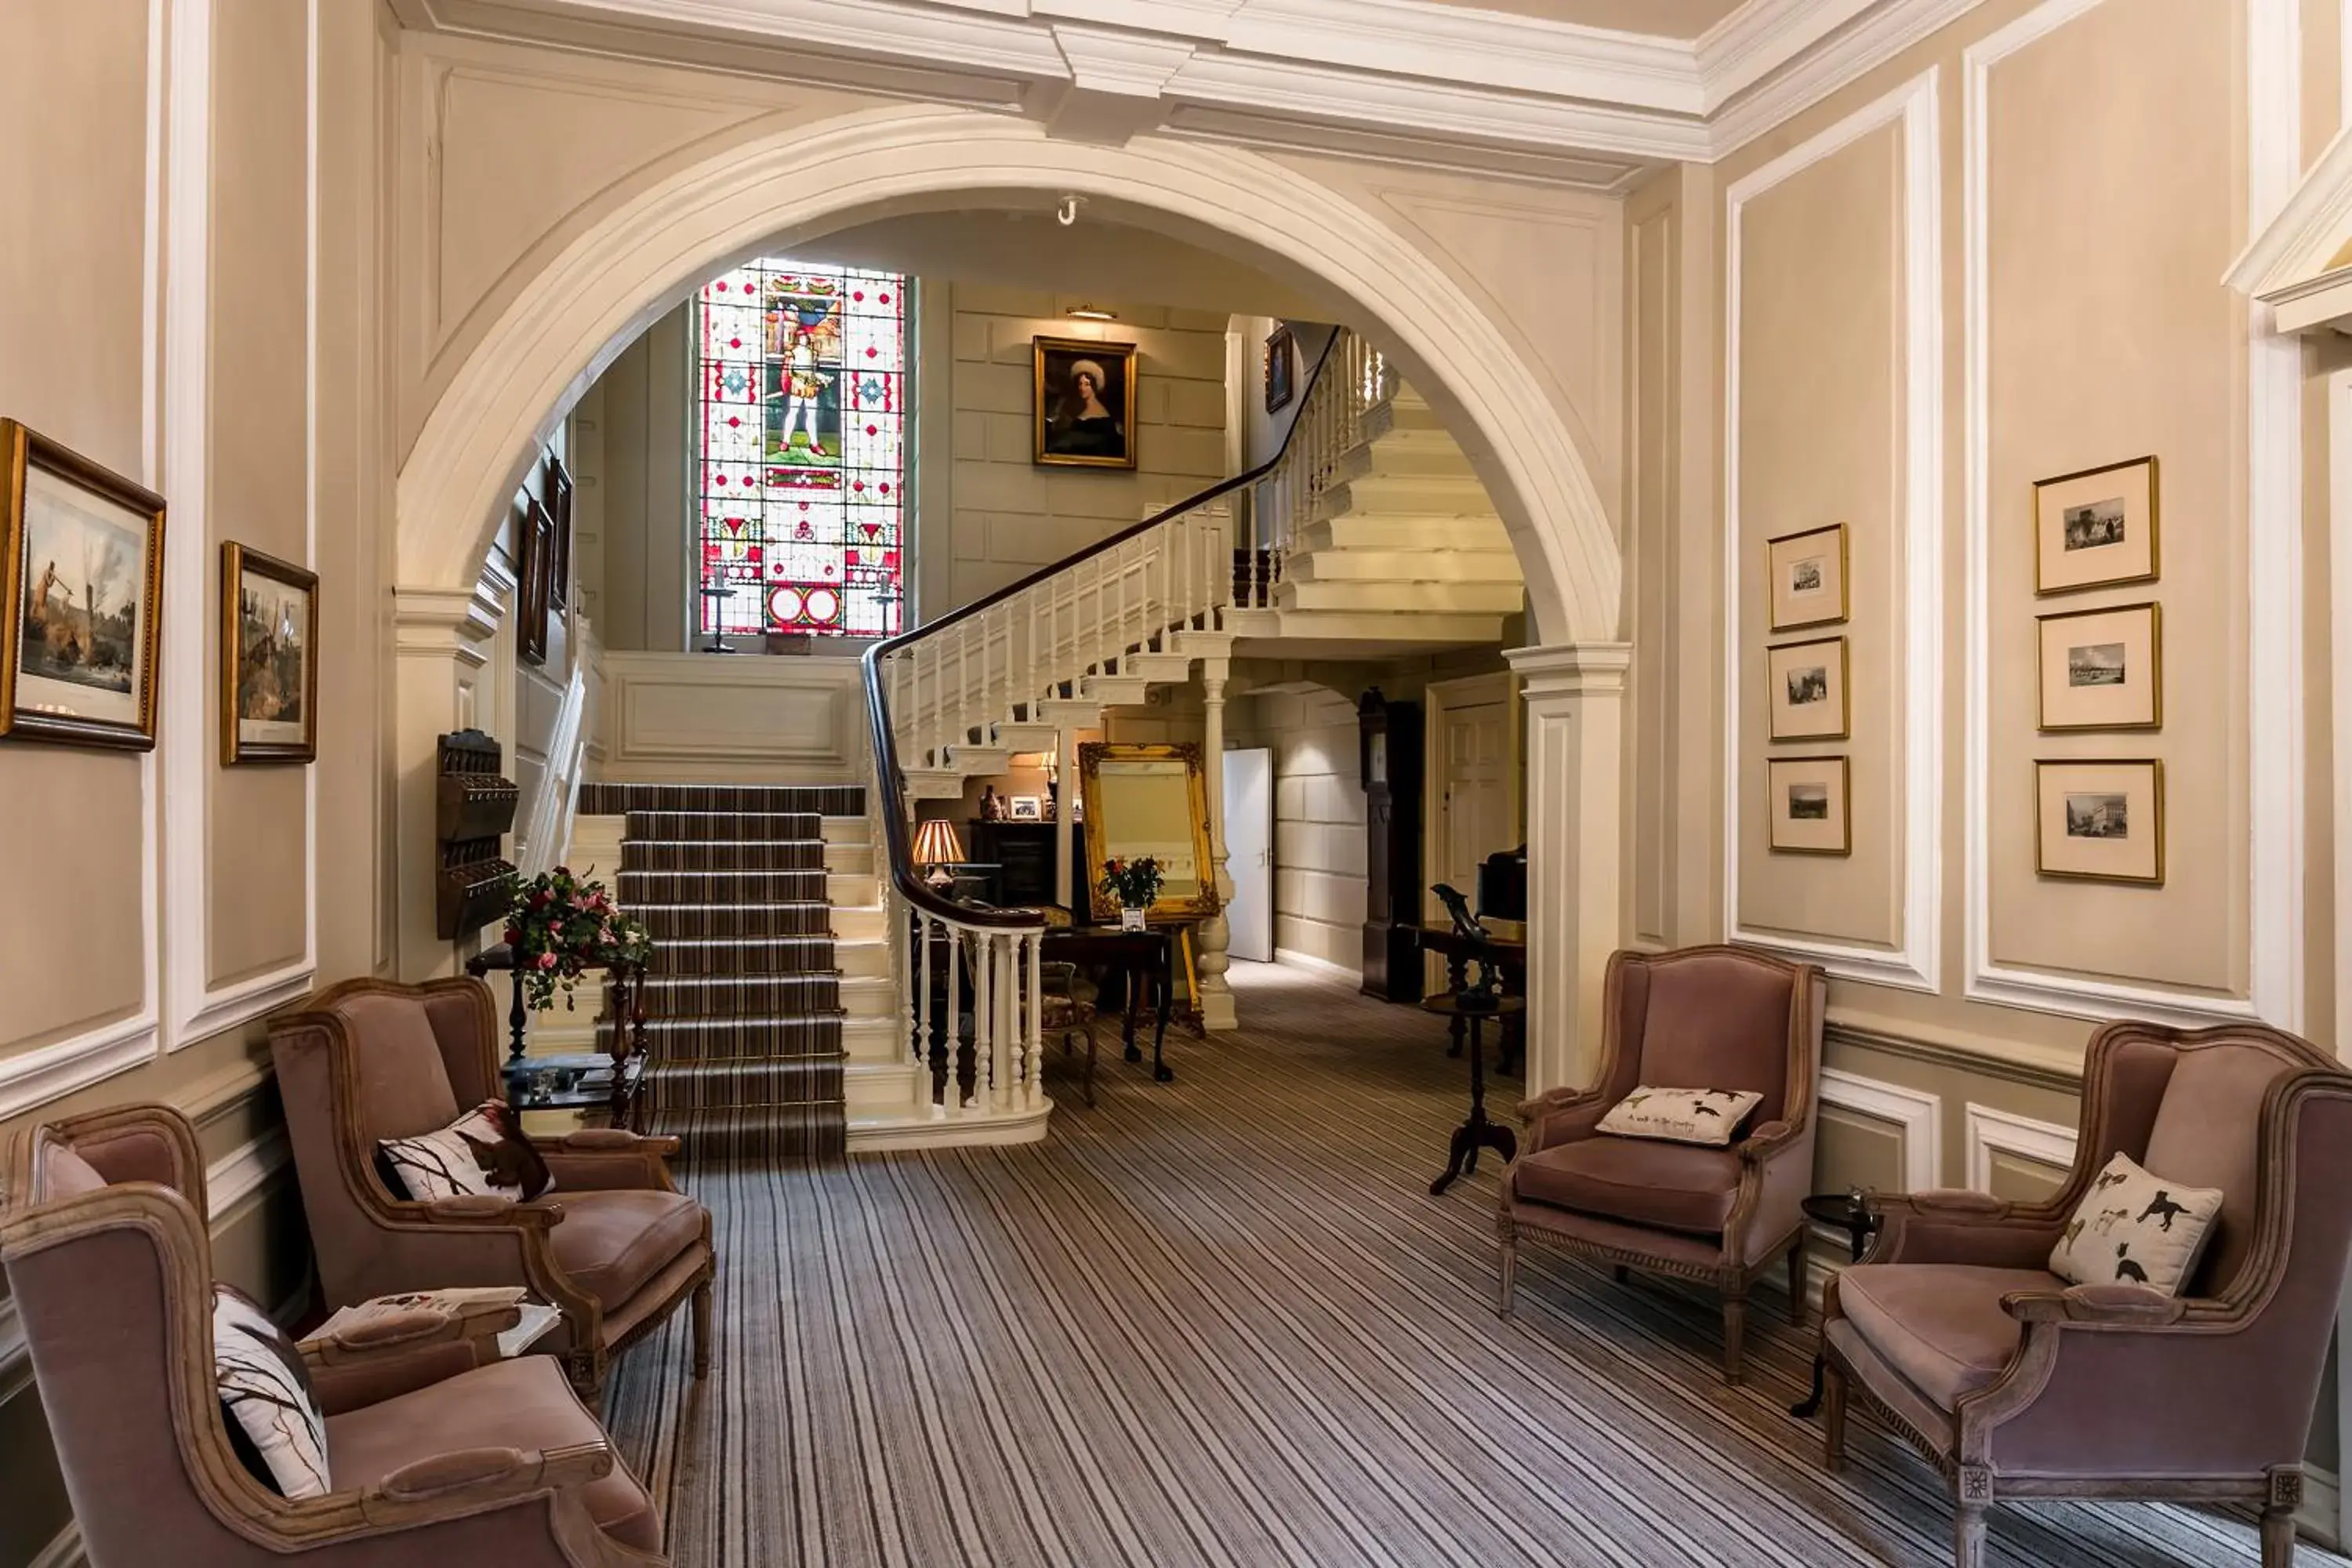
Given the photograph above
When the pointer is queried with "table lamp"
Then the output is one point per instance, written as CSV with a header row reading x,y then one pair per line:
x,y
936,849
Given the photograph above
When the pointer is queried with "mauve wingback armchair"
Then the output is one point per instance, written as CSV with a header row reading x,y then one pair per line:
x,y
1698,1017
615,1246
437,1452
2017,1385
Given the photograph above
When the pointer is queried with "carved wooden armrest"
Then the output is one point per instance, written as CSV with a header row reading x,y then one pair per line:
x,y
1556,1099
448,1486
1765,1141
2097,1306
488,1210
1949,1204
404,1333
1953,1225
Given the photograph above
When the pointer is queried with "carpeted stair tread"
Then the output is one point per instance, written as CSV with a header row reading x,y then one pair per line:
x,y
722,855
713,826
724,1084
745,1036
726,887
745,955
677,996
698,921
823,800
759,1136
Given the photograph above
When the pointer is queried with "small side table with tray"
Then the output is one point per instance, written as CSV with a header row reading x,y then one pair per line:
x,y
1852,1213
1478,1132
536,1083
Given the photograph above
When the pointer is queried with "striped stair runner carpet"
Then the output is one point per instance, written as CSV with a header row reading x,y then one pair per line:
x,y
1220,1321
743,1002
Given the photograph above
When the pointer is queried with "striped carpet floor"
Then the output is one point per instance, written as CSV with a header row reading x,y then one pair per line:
x,y
1220,1321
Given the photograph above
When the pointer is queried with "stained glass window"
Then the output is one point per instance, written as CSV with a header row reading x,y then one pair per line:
x,y
801,411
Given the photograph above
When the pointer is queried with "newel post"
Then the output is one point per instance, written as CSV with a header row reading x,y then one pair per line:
x,y
1575,696
1216,934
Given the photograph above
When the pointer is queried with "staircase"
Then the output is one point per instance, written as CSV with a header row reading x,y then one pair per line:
x,y
767,935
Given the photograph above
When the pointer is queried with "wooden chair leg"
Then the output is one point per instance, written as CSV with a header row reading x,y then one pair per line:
x,y
1090,1066
1968,1535
1797,1283
2278,1517
1510,1273
1735,1339
1833,1392
701,1310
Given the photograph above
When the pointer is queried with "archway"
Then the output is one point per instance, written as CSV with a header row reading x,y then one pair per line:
x,y
650,249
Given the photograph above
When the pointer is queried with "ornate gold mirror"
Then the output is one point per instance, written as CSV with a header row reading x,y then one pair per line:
x,y
1150,800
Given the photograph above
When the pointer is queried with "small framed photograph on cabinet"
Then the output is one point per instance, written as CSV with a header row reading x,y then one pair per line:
x,y
2097,528
1807,799
2101,822
1805,685
1807,576
2103,669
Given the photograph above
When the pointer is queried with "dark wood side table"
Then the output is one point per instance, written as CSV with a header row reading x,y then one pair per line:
x,y
1459,953
1478,1132
1137,956
625,992
1851,1213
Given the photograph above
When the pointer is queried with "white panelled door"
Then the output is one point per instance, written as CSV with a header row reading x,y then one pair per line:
x,y
1249,853
1475,810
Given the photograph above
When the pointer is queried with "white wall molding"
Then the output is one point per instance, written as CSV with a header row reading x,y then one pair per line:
x,y
242,1173
2275,700
1918,1114
1916,964
1408,81
685,717
1990,1132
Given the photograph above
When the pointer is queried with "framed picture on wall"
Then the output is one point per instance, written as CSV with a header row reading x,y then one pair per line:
x,y
2103,669
1807,799
1083,412
559,507
269,658
81,598
1807,576
536,534
1281,368
2100,821
2095,528
1806,689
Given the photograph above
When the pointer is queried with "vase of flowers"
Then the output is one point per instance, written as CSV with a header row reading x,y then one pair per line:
x,y
562,925
1135,884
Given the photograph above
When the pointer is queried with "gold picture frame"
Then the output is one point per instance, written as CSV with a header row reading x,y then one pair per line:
x,y
2100,669
1788,593
1807,693
269,658
2097,808
1150,800
1082,407
2098,528
81,598
1800,792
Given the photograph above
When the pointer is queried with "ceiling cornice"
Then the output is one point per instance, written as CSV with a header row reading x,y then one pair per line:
x,y
1437,84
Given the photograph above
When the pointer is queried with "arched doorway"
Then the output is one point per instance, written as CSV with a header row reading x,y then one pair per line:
x,y
651,247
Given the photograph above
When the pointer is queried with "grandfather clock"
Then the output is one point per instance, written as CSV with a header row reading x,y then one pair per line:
x,y
1391,768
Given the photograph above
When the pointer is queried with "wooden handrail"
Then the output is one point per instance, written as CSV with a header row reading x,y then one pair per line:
x,y
897,844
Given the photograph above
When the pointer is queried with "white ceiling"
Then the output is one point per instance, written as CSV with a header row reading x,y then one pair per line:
x,y
1664,18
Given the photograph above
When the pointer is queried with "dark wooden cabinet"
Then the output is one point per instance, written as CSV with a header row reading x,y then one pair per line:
x,y
1389,735
1023,853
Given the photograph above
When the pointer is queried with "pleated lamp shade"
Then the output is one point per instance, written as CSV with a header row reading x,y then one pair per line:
x,y
935,843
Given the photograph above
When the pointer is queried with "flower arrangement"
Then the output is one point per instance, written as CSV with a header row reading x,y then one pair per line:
x,y
1134,883
561,925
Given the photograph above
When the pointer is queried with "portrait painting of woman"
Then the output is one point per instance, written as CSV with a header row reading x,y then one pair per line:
x,y
1084,393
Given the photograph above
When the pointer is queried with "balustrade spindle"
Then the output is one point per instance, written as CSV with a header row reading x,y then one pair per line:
x,y
921,1006
1033,1076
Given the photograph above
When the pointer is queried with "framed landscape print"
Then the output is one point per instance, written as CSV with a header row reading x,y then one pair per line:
x,y
533,594
1281,368
1807,799
1083,412
81,598
2103,669
269,658
559,507
1807,576
1805,687
2097,528
2100,821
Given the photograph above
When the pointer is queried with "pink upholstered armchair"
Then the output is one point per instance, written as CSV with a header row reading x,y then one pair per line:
x,y
2017,1385
435,1450
1700,1017
615,1246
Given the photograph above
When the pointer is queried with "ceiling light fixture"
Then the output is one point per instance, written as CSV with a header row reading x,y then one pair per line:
x,y
1091,314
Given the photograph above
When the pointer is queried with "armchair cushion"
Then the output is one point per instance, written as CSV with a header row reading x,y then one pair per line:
x,y
1942,1326
523,1404
1674,1187
267,1402
612,1241
2135,1227
1681,1115
66,1175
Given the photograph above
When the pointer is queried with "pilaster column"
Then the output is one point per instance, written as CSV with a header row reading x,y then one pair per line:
x,y
444,642
1575,696
1215,933
1066,807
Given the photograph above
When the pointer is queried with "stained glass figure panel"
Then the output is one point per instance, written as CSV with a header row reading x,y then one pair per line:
x,y
801,474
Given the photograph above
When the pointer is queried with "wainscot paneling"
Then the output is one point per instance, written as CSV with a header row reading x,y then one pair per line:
x,y
752,719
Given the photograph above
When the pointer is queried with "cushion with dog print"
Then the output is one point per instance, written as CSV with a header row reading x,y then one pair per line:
x,y
2134,1228
483,1153
1682,1115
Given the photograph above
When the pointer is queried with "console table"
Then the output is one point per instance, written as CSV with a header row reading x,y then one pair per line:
x,y
1137,956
